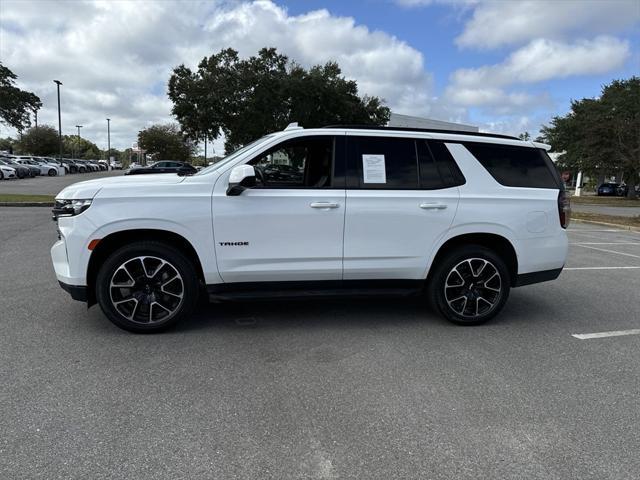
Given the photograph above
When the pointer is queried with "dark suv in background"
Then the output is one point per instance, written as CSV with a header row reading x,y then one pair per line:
x,y
164,166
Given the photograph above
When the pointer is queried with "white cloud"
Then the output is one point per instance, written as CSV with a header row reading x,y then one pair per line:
x,y
499,23
546,59
115,58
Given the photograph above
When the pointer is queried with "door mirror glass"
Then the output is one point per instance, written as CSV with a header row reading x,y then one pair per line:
x,y
241,178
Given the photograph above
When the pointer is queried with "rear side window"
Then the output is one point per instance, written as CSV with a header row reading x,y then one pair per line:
x,y
385,162
515,166
438,169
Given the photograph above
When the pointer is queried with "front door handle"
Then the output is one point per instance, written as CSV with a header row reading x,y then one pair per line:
x,y
433,206
324,205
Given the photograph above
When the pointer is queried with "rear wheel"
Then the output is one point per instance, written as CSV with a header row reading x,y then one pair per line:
x,y
52,172
147,287
470,285
1,175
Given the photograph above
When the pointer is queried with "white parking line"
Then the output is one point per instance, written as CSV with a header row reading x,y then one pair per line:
x,y
615,333
609,251
600,268
605,243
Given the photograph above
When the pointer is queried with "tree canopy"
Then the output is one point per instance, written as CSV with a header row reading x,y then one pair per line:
x,y
165,142
248,98
40,140
601,135
16,105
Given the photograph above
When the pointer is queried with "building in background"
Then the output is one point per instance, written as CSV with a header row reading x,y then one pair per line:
x,y
407,121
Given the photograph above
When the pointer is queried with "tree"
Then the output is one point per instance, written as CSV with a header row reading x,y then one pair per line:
x,y
525,136
166,142
246,99
40,140
80,147
601,134
7,144
16,106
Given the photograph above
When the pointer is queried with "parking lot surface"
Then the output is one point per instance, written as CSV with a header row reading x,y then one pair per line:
x,y
607,210
42,185
375,388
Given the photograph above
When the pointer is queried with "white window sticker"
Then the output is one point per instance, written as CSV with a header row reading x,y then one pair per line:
x,y
374,169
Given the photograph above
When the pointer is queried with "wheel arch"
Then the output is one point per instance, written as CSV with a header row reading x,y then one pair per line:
x,y
496,242
114,241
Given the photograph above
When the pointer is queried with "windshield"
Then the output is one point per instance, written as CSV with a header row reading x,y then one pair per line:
x,y
232,155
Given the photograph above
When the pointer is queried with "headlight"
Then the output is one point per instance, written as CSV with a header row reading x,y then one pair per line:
x,y
69,208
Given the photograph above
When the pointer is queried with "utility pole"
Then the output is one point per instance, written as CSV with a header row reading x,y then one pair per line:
x,y
35,111
58,83
109,143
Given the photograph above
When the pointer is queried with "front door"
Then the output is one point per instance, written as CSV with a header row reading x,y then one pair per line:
x,y
290,226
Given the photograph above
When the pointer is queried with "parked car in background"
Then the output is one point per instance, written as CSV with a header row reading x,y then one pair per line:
x,y
104,165
610,189
7,172
94,165
115,165
164,166
45,168
22,171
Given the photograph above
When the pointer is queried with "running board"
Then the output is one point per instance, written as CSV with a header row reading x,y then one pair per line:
x,y
317,289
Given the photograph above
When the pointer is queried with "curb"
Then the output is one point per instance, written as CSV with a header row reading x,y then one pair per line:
x,y
26,204
617,225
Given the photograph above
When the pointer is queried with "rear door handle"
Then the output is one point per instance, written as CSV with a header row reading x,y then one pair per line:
x,y
323,205
433,206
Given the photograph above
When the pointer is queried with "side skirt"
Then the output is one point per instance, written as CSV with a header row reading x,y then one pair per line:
x,y
315,289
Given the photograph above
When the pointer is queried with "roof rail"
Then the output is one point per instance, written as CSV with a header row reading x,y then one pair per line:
x,y
428,130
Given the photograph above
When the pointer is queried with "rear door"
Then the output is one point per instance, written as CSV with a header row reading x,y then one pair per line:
x,y
400,201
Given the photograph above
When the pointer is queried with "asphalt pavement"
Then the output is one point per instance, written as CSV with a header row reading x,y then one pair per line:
x,y
366,389
607,210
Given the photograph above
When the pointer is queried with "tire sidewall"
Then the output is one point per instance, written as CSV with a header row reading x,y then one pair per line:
x,y
438,279
155,249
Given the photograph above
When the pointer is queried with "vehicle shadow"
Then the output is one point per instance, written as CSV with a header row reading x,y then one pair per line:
x,y
305,313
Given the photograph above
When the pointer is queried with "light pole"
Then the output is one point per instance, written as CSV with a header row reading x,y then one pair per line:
x,y
79,127
35,111
58,83
109,143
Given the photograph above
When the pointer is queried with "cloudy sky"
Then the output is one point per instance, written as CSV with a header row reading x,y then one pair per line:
x,y
507,66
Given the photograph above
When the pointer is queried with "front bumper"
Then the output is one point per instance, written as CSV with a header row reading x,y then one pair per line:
x,y
77,292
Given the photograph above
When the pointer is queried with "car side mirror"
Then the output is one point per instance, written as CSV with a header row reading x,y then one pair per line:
x,y
241,178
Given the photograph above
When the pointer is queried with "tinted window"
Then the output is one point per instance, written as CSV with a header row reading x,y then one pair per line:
x,y
515,166
384,162
301,163
438,169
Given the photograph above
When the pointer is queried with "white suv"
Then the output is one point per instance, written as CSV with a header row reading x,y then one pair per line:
x,y
456,216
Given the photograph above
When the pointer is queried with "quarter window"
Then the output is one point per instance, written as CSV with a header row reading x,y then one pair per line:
x,y
515,166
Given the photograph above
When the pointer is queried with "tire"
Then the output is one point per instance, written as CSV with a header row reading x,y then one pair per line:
x,y
1,175
52,172
82,170
469,266
20,174
154,306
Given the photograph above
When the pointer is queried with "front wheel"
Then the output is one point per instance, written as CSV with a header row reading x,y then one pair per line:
x,y
147,287
469,285
53,172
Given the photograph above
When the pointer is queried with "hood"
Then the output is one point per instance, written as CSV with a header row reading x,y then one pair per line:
x,y
89,188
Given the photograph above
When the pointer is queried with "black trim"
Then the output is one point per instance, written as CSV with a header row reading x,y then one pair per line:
x,y
427,130
537,277
77,292
327,288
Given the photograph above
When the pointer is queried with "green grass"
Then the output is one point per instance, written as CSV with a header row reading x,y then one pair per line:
x,y
16,197
609,201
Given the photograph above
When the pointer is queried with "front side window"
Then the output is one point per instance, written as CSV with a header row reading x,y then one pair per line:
x,y
305,162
